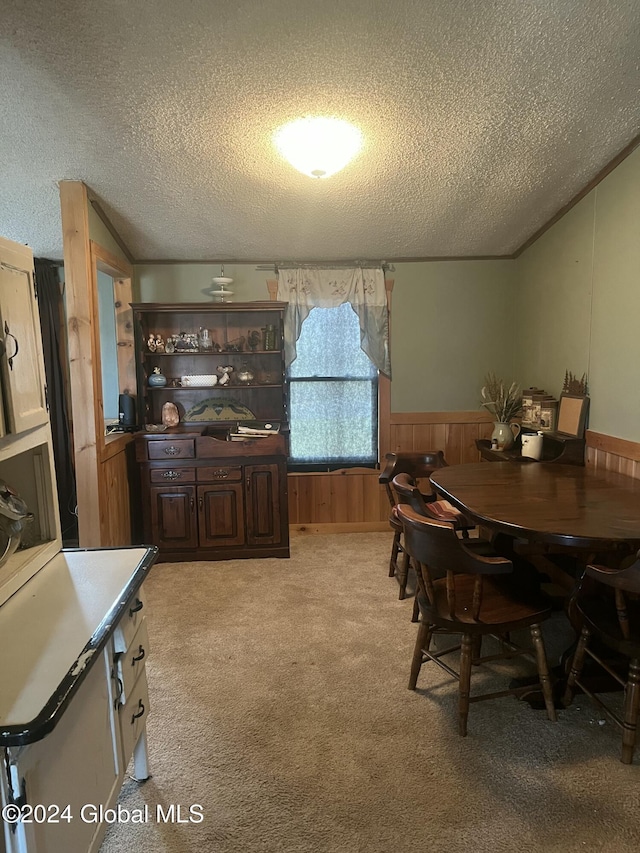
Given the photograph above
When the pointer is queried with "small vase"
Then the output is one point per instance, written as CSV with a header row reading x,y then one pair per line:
x,y
157,379
505,434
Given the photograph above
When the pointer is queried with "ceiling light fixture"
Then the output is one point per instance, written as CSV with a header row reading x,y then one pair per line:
x,y
318,147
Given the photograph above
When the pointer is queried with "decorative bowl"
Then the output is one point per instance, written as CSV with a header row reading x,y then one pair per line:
x,y
199,380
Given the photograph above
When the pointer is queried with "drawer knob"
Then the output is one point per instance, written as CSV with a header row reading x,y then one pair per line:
x,y
136,607
221,473
172,475
139,656
141,710
172,450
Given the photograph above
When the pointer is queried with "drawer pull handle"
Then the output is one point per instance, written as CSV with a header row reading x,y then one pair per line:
x,y
172,475
15,343
134,717
221,474
136,607
139,656
172,450
119,688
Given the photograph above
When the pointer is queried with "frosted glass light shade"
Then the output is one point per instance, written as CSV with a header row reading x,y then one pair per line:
x,y
318,147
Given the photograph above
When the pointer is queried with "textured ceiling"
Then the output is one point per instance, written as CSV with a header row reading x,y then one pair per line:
x,y
482,120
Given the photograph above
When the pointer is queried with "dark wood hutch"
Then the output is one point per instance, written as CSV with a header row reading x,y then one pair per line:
x,y
211,490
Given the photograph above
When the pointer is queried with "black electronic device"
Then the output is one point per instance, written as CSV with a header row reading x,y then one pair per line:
x,y
126,412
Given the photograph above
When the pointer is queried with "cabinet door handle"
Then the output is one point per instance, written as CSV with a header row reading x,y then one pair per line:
x,y
139,656
119,688
15,341
191,504
172,475
140,712
200,502
172,450
248,482
136,607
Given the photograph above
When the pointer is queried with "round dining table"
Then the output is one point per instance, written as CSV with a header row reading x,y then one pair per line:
x,y
578,507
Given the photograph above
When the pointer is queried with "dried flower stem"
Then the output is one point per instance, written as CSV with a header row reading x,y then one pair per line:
x,y
503,403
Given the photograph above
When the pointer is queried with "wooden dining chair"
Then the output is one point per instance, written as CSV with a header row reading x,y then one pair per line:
x,y
610,612
419,466
406,491
466,591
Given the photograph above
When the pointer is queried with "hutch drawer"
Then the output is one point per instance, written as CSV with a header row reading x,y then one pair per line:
x,y
175,449
172,475
214,473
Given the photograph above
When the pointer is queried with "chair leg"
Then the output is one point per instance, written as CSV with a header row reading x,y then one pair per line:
x,y
415,616
576,666
395,548
466,653
631,708
423,641
403,574
476,645
543,672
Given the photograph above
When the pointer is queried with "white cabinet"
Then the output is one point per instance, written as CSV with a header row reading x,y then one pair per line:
x,y
73,644
75,700
26,454
23,377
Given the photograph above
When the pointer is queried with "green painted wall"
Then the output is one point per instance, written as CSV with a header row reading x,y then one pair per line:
x,y
578,299
451,323
192,282
553,302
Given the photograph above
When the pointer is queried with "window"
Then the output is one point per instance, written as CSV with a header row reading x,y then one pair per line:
x,y
333,389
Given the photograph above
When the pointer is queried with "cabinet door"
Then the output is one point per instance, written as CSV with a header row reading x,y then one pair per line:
x,y
221,515
263,504
22,365
173,516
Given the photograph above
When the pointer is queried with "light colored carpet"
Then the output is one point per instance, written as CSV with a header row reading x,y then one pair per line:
x,y
279,703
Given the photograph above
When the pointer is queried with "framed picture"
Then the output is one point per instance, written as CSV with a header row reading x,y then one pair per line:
x,y
572,414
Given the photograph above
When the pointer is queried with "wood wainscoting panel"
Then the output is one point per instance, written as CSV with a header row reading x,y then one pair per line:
x,y
353,500
608,453
455,433
332,501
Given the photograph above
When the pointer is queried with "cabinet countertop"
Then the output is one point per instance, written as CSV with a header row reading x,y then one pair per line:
x,y
52,629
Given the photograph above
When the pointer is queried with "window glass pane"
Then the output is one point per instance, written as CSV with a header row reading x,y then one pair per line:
x,y
333,421
334,418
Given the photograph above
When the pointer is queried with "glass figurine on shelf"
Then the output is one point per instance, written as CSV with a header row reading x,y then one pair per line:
x,y
205,341
170,346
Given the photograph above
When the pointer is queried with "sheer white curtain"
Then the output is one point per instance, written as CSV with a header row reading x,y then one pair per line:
x,y
362,287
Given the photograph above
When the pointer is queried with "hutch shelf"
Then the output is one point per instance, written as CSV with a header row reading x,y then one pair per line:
x,y
204,339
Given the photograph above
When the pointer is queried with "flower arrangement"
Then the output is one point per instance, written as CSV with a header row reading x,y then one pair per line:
x,y
503,403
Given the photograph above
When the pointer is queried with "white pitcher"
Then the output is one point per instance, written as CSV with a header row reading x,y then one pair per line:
x,y
532,445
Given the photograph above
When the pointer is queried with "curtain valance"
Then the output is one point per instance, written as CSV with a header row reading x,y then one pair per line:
x,y
306,288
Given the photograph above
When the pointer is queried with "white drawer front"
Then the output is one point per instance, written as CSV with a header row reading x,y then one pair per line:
x,y
133,716
132,661
130,622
